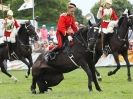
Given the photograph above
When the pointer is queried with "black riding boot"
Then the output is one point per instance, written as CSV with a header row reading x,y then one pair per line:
x,y
10,50
106,40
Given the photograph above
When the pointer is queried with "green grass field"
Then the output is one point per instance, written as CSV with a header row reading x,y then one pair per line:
x,y
74,86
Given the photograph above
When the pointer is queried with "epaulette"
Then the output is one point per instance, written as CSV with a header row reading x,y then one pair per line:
x,y
63,14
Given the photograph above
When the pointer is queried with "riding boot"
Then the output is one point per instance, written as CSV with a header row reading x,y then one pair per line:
x,y
52,53
10,50
105,43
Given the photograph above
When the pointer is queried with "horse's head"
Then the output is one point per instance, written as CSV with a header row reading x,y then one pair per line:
x,y
31,30
129,17
92,36
89,36
130,21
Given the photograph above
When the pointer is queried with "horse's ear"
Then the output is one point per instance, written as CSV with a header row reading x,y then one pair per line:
x,y
129,12
126,12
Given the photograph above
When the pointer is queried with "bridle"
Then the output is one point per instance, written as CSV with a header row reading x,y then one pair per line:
x,y
27,26
86,43
126,35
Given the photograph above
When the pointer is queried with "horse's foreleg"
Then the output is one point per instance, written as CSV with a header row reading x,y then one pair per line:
x,y
118,64
125,56
93,70
42,84
4,70
97,56
33,86
86,68
31,63
27,63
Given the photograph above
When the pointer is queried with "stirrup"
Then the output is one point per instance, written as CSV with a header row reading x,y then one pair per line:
x,y
13,54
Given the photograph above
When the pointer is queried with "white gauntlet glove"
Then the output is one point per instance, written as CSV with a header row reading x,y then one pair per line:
x,y
70,38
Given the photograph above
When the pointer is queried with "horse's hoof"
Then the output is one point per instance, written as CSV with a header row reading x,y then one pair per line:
x,y
26,76
14,79
99,79
110,73
129,79
49,89
41,92
33,91
100,90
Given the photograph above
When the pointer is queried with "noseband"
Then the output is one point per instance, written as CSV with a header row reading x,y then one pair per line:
x,y
84,42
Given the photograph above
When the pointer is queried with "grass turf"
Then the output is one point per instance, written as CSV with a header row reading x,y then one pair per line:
x,y
74,86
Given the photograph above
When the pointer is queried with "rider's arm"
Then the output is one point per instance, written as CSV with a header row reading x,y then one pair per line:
x,y
100,13
73,26
61,25
114,16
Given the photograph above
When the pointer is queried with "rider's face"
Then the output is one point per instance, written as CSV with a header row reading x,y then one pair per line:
x,y
108,5
9,16
71,11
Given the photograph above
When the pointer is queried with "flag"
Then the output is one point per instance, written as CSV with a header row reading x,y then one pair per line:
x,y
26,5
4,8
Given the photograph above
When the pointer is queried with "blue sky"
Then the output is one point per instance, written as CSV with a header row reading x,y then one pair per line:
x,y
86,5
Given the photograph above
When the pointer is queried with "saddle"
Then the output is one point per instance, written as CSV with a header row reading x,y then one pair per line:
x,y
11,54
52,54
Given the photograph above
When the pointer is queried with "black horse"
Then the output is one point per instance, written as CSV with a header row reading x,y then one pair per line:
x,y
22,48
48,74
118,43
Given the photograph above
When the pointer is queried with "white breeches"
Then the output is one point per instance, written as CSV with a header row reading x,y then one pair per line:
x,y
12,38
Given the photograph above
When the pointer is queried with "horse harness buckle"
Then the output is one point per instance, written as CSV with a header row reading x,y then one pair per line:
x,y
71,57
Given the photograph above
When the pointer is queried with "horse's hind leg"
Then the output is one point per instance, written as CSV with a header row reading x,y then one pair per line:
x,y
118,64
4,70
54,79
98,75
125,56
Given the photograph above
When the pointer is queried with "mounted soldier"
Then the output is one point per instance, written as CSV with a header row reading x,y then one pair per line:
x,y
109,21
66,28
10,29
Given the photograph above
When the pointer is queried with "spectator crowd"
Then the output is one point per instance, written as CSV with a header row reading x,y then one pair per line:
x,y
47,39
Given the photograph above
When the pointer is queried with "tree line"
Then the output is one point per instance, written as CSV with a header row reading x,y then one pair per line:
x,y
47,11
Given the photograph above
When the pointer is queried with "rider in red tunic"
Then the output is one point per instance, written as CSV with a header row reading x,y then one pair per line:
x,y
10,29
66,24
108,16
109,20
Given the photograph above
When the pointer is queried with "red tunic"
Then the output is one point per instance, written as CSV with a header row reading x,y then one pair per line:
x,y
64,23
9,25
111,16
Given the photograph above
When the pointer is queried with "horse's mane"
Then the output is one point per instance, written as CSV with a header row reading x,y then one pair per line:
x,y
122,18
120,21
81,30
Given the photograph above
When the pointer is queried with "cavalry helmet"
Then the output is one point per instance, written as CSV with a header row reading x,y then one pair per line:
x,y
109,2
10,12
